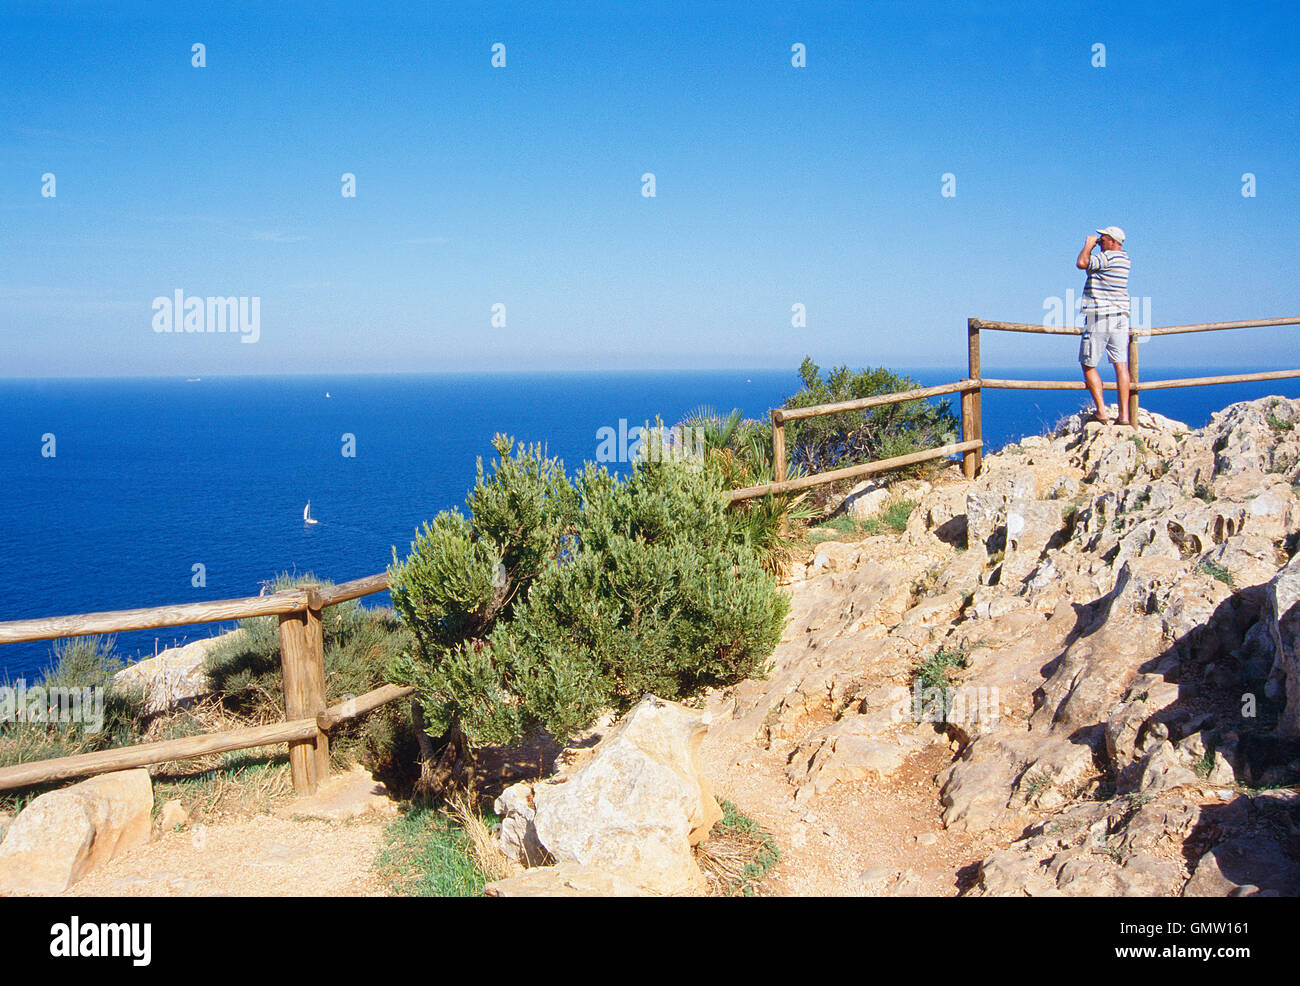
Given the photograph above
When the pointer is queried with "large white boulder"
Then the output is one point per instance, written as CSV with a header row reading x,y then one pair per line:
x,y
173,676
637,805
64,833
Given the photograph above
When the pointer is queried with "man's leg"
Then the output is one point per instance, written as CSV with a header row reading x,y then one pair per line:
x,y
1093,379
1122,384
1088,353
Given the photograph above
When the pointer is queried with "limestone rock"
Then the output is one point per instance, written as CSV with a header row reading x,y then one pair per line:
x,y
518,834
1031,527
865,502
565,880
172,816
1245,866
855,748
62,834
344,796
174,676
638,805
1282,618
886,881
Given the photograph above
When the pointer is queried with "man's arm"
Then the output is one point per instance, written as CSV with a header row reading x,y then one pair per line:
x,y
1088,244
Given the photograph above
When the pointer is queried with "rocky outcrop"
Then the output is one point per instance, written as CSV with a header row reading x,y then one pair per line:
x,y
1282,621
173,676
62,834
1116,611
627,817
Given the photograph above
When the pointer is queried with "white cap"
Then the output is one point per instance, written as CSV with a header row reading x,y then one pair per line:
x,y
1114,232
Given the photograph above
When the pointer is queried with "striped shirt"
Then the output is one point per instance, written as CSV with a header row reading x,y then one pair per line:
x,y
1106,288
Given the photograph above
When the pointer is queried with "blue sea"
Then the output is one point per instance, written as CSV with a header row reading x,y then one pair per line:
x,y
150,478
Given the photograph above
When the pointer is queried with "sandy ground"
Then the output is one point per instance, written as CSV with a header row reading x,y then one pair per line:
x,y
263,856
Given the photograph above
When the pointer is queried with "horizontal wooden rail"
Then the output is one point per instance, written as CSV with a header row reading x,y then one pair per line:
x,y
851,472
122,620
1038,384
1212,381
1216,326
189,747
359,706
147,754
345,591
782,415
294,600
1065,330
1143,385
1046,330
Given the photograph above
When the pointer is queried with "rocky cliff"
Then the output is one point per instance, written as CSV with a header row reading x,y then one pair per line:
x,y
1098,634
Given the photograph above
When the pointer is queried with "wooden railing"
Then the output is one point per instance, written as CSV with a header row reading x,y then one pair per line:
x,y
302,661
976,325
972,428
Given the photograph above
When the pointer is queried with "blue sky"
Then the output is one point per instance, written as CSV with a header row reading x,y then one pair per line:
x,y
521,185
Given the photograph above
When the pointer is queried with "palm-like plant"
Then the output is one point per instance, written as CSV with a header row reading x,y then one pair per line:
x,y
740,451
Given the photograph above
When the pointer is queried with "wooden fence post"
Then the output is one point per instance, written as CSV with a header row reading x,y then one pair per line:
x,y
971,423
1133,379
302,659
778,445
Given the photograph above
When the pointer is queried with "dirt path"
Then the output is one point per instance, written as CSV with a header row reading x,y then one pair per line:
x,y
323,846
852,840
262,856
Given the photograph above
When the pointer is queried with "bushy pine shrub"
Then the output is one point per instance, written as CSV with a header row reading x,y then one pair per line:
x,y
555,599
832,441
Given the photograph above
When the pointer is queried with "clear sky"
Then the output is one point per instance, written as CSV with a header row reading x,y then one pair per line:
x,y
521,186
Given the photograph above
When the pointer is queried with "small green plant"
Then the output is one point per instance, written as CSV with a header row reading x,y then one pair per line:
x,y
891,520
1280,426
1217,571
832,529
940,672
1203,492
80,665
895,516
1206,764
1036,785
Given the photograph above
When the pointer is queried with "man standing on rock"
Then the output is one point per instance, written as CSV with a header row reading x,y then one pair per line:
x,y
1105,312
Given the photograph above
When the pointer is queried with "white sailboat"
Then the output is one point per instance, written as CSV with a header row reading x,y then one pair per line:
x,y
307,518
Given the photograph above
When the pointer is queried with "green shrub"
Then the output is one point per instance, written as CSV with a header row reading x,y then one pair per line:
x,y
554,600
829,441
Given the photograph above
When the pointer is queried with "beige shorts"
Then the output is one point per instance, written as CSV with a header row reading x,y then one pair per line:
x,y
1108,332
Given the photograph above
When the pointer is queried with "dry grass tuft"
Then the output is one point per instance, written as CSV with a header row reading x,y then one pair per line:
x,y
724,859
737,855
480,844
